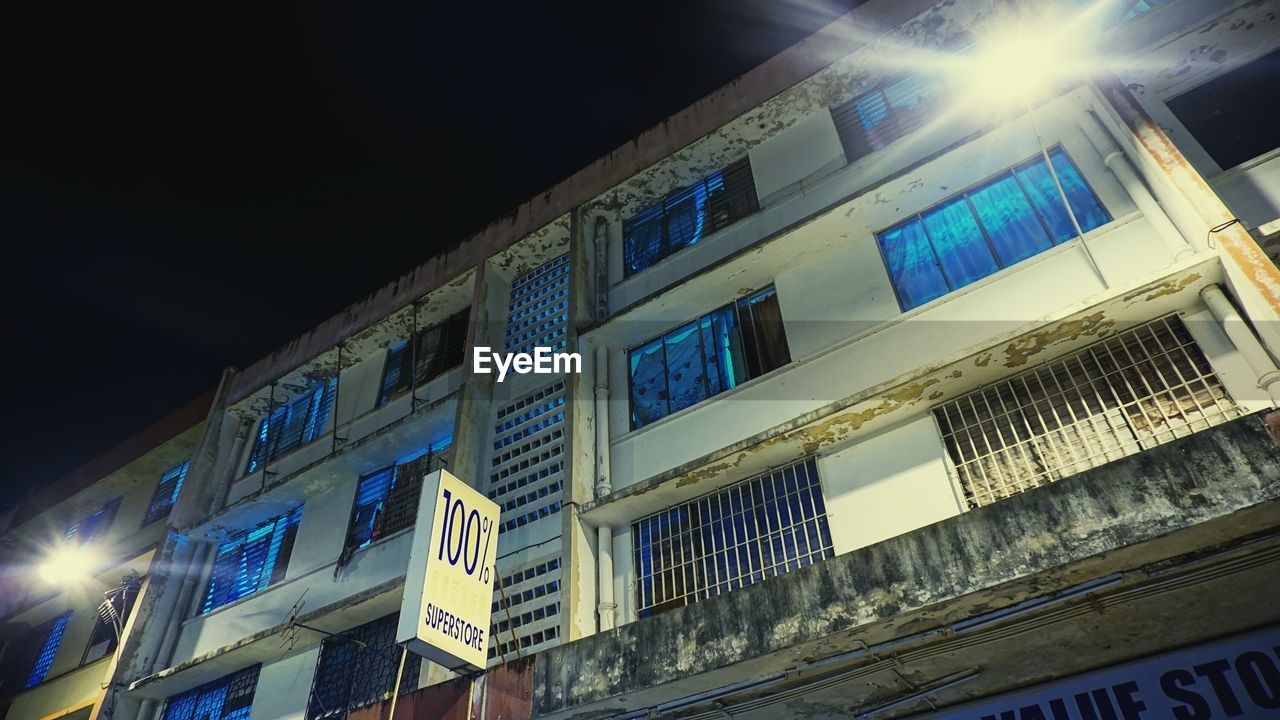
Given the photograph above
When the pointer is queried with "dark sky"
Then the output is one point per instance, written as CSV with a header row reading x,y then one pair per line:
x,y
186,186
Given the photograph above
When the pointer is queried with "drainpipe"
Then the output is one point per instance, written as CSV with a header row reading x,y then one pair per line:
x,y
604,486
601,241
194,571
1118,163
1244,340
229,475
147,709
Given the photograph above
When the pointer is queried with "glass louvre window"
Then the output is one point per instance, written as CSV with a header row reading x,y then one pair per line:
x,y
687,215
752,530
438,349
716,352
1115,398
112,615
1003,221
228,698
46,639
892,110
166,494
538,308
387,499
357,668
251,560
293,425
95,526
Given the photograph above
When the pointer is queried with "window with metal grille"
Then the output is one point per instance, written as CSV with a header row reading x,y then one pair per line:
x,y
527,468
293,425
688,215
993,225
113,613
892,110
45,640
387,499
538,311
1117,397
95,526
228,698
716,352
437,350
357,668
251,560
166,494
755,529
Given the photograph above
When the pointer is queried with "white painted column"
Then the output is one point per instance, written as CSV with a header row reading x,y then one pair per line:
x,y
606,607
1244,340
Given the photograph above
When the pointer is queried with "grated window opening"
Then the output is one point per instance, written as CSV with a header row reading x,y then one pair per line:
x,y
1120,396
755,529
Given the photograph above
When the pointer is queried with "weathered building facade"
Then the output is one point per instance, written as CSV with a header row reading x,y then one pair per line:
x,y
893,400
77,555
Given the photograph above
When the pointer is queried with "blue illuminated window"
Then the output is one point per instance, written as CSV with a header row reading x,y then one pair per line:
x,y
892,110
166,494
387,499
1007,219
294,424
51,632
439,348
95,526
687,215
716,352
755,529
228,698
251,560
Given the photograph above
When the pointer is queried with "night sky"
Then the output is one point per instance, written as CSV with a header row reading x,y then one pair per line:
x,y
187,186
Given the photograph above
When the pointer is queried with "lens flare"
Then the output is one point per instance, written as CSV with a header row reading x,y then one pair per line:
x,y
69,565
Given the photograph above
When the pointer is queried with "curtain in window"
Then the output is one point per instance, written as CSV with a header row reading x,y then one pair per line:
x,y
913,268
961,248
1038,182
686,216
648,384
1011,223
686,376
765,345
643,239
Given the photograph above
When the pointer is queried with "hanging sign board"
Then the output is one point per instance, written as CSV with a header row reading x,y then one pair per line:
x,y
448,590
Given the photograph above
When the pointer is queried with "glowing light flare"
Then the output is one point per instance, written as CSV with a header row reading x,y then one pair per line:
x,y
69,565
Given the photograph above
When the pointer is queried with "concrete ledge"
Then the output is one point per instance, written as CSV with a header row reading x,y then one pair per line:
x,y
1087,521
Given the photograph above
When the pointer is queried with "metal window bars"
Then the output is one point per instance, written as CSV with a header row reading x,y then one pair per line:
x,y
1120,396
755,529
357,668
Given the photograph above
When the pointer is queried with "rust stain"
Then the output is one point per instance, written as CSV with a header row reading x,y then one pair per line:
x,y
936,394
1018,352
982,360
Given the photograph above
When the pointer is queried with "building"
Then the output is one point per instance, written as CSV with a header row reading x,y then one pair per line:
x,y
99,528
878,413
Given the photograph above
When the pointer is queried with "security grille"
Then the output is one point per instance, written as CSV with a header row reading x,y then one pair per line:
x,y
357,668
527,466
294,424
538,312
45,641
755,529
228,698
1117,397
387,499
166,494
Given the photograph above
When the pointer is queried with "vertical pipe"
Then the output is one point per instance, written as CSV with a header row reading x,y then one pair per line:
x,y
176,615
604,574
1246,342
601,241
1118,163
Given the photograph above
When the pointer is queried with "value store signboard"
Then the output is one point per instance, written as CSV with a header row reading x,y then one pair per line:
x,y
448,592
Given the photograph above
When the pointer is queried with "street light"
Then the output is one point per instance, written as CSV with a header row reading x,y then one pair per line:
x,y
69,565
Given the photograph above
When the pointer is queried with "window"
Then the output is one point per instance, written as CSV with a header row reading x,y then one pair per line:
x,y
228,698
358,668
999,223
1233,116
45,640
892,110
387,500
716,352
113,613
437,349
95,526
688,215
166,494
526,608
293,425
251,560
758,528
1117,397
538,311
